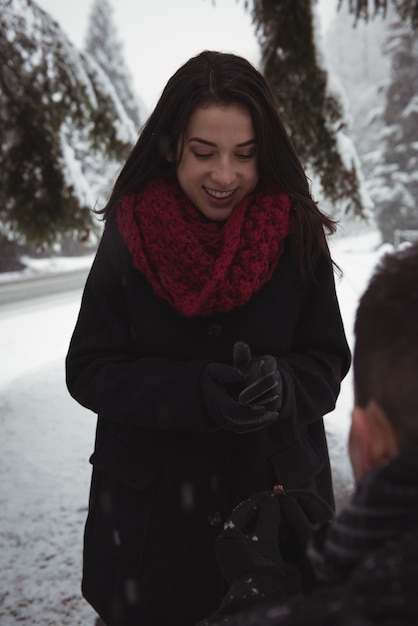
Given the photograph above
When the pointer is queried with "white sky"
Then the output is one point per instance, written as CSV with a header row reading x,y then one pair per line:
x,y
160,35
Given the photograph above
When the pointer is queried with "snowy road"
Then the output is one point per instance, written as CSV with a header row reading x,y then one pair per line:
x,y
46,440
42,286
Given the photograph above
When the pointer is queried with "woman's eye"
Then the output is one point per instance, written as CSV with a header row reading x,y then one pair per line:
x,y
202,155
246,156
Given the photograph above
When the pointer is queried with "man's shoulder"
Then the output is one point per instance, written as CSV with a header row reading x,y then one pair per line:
x,y
381,591
382,588
396,560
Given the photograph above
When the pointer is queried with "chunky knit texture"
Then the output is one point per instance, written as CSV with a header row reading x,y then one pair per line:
x,y
202,267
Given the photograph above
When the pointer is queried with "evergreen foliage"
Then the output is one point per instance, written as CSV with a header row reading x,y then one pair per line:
x,y
68,119
395,179
58,115
103,45
364,9
314,116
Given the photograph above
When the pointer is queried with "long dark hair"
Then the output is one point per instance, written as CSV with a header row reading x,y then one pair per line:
x,y
226,79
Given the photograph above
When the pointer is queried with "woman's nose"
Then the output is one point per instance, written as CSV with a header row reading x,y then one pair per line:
x,y
223,174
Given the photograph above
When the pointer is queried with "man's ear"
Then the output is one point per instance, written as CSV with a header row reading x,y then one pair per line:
x,y
372,439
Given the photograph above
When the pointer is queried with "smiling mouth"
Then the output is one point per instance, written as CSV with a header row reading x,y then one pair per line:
x,y
219,195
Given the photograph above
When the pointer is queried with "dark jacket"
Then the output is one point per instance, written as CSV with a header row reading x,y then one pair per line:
x,y
365,561
163,479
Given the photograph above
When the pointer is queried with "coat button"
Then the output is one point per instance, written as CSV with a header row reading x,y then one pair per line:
x,y
214,518
214,331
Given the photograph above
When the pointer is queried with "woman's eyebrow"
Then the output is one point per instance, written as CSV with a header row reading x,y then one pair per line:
x,y
210,143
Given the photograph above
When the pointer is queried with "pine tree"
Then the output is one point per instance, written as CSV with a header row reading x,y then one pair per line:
x,y
103,45
355,56
313,115
395,180
365,9
62,127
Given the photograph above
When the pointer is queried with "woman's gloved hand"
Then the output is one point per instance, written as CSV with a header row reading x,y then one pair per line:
x,y
223,409
261,382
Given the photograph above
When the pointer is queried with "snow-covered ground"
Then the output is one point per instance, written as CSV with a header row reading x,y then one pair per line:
x,y
357,256
46,440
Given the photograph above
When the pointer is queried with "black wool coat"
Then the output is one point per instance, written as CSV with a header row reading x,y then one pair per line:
x,y
163,480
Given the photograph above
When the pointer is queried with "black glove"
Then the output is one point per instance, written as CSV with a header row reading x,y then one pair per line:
x,y
254,546
223,409
249,541
261,382
248,554
267,536
302,511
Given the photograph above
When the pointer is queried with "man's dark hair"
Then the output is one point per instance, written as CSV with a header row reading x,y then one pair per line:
x,y
385,359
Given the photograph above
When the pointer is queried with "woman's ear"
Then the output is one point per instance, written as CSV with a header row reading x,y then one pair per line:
x,y
372,439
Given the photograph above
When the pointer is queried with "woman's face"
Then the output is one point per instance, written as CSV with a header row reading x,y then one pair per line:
x,y
218,167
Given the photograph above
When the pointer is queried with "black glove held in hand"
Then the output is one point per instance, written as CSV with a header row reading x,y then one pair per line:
x,y
223,409
265,539
248,554
261,381
302,511
249,541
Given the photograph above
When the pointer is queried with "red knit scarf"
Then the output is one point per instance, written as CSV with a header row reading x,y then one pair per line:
x,y
203,268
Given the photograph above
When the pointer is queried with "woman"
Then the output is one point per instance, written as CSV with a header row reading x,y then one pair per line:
x,y
209,342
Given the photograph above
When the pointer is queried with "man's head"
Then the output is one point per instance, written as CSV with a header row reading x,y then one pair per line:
x,y
385,363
